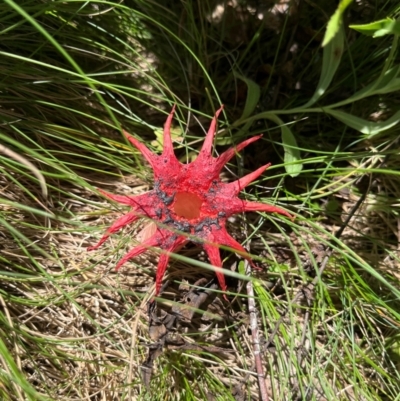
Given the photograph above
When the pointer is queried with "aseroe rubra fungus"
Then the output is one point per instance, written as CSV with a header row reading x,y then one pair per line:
x,y
188,202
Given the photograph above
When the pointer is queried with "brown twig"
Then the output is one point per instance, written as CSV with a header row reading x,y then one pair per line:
x,y
254,321
255,337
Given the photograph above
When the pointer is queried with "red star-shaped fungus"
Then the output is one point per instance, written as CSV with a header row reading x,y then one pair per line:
x,y
188,200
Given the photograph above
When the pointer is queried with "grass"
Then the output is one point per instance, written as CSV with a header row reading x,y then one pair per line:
x,y
72,74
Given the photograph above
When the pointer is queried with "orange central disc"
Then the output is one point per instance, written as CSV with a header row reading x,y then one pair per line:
x,y
187,205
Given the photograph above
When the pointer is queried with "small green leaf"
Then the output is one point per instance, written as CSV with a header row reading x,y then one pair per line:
x,y
332,56
382,27
241,268
158,143
335,22
292,153
253,96
390,81
386,83
333,45
366,127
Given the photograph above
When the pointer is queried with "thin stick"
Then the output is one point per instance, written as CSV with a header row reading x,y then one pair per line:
x,y
253,320
255,337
